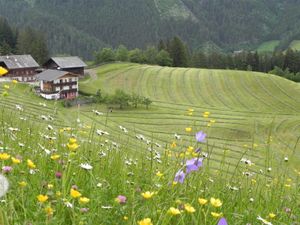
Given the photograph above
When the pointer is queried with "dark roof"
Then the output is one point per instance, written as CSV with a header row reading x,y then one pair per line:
x,y
68,62
19,61
50,75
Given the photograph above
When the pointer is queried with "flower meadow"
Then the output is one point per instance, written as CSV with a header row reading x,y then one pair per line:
x,y
80,174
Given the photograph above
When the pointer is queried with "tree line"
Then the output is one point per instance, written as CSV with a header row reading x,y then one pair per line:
x,y
24,41
175,53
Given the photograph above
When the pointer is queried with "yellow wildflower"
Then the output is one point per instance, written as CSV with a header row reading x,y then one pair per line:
x,y
15,160
189,208
287,185
74,193
159,174
215,202
125,218
49,210
84,200
173,145
14,81
191,110
188,129
22,184
216,215
173,211
147,194
4,156
190,149
72,141
6,86
72,147
54,157
146,221
42,198
30,164
212,121
272,215
202,201
50,186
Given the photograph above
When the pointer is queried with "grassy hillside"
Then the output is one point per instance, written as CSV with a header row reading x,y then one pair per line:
x,y
295,45
268,46
246,116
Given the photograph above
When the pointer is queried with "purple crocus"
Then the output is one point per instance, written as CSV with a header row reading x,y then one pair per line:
x,y
200,136
179,176
121,199
193,164
222,221
6,169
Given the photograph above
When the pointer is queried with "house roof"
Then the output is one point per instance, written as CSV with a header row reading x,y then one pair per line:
x,y
68,62
50,75
19,61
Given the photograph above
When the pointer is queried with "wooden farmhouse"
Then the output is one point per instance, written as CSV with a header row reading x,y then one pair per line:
x,y
71,64
57,84
20,67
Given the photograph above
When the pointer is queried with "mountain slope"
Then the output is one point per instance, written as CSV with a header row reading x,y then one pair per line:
x,y
84,26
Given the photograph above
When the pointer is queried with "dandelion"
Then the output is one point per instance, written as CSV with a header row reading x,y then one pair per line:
x,y
202,201
200,136
179,176
193,164
146,221
173,145
84,200
42,198
216,215
121,199
30,164
14,81
189,208
4,156
72,147
173,211
216,202
147,194
74,193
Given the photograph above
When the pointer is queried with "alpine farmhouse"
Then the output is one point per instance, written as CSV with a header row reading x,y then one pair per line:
x,y
58,84
20,67
71,64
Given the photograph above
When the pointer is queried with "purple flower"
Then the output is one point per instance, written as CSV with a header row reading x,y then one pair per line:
x,y
58,175
200,136
222,221
6,169
121,199
179,176
84,210
193,164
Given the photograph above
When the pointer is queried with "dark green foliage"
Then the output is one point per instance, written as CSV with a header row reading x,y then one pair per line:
x,y
178,53
33,42
122,53
163,58
82,27
105,55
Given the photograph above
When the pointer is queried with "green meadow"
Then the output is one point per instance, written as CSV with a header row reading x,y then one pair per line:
x,y
268,46
87,165
295,45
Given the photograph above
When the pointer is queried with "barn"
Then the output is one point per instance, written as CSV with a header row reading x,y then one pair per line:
x,y
71,64
20,67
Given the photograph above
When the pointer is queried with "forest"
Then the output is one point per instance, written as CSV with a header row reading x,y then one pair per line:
x,y
218,25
